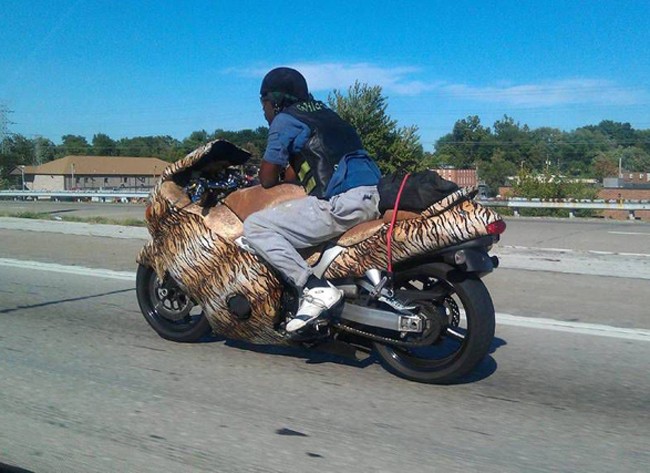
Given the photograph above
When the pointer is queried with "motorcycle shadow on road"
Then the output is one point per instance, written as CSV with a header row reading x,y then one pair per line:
x,y
348,355
327,352
63,301
5,468
486,367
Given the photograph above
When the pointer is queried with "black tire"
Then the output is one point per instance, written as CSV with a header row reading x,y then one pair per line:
x,y
450,357
169,311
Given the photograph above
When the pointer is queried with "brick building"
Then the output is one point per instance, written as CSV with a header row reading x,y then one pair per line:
x,y
462,177
628,186
93,173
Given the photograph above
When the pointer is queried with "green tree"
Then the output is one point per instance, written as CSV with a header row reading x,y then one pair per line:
x,y
495,172
467,144
636,159
604,165
44,150
642,139
549,185
196,139
545,150
74,145
103,145
579,148
620,134
163,147
515,142
365,108
16,150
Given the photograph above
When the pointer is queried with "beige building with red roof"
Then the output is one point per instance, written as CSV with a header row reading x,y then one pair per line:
x,y
93,173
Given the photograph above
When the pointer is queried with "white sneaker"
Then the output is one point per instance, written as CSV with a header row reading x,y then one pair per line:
x,y
314,303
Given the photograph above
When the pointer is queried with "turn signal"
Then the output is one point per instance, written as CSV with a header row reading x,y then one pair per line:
x,y
496,228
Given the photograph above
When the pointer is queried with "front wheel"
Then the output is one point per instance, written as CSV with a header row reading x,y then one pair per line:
x,y
169,311
465,307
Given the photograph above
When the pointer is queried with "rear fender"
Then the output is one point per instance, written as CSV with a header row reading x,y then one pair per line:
x,y
467,257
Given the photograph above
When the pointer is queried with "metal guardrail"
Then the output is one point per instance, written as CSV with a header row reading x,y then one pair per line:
x,y
571,205
54,195
513,203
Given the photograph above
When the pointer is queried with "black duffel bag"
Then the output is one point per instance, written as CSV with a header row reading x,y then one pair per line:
x,y
422,189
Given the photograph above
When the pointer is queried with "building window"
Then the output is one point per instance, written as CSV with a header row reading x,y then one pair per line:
x,y
106,180
125,180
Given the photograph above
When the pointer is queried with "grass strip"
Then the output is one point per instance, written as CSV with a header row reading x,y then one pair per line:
x,y
129,222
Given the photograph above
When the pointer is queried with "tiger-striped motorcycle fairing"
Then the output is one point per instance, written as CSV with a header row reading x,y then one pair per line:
x,y
196,247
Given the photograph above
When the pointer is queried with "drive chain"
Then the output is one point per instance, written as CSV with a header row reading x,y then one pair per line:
x,y
379,338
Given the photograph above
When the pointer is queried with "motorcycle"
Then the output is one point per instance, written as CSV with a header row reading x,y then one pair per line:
x,y
411,281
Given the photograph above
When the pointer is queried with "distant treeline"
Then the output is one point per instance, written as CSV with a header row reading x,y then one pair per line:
x,y
17,149
594,151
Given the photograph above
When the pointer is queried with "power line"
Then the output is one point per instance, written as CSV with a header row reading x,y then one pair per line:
x,y
4,125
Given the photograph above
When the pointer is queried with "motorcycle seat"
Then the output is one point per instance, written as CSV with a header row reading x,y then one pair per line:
x,y
247,201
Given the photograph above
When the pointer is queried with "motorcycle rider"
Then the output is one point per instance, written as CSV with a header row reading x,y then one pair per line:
x,y
309,144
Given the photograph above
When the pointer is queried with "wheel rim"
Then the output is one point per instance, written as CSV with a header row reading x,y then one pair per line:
x,y
170,307
454,337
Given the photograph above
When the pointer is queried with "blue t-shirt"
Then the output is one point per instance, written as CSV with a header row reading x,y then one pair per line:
x,y
287,136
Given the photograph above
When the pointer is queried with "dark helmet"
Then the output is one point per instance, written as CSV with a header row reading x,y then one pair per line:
x,y
284,86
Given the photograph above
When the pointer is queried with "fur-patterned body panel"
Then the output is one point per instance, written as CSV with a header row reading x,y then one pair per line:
x,y
212,269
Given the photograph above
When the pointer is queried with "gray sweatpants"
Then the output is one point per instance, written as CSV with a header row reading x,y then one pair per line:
x,y
276,232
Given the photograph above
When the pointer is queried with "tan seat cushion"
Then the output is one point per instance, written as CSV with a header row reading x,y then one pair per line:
x,y
247,201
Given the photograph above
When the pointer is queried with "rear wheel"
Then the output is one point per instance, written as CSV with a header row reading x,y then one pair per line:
x,y
169,311
464,309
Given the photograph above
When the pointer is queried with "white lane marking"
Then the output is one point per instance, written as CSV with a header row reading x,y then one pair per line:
x,y
629,233
581,328
570,251
532,248
622,253
502,319
76,270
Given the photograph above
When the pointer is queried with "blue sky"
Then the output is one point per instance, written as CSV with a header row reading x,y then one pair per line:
x,y
131,68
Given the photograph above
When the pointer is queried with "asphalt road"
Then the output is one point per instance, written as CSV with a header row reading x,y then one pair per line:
x,y
88,386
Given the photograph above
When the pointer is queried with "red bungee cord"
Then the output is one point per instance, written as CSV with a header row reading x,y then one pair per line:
x,y
389,235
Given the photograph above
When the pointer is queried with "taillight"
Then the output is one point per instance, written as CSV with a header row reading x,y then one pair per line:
x,y
496,228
